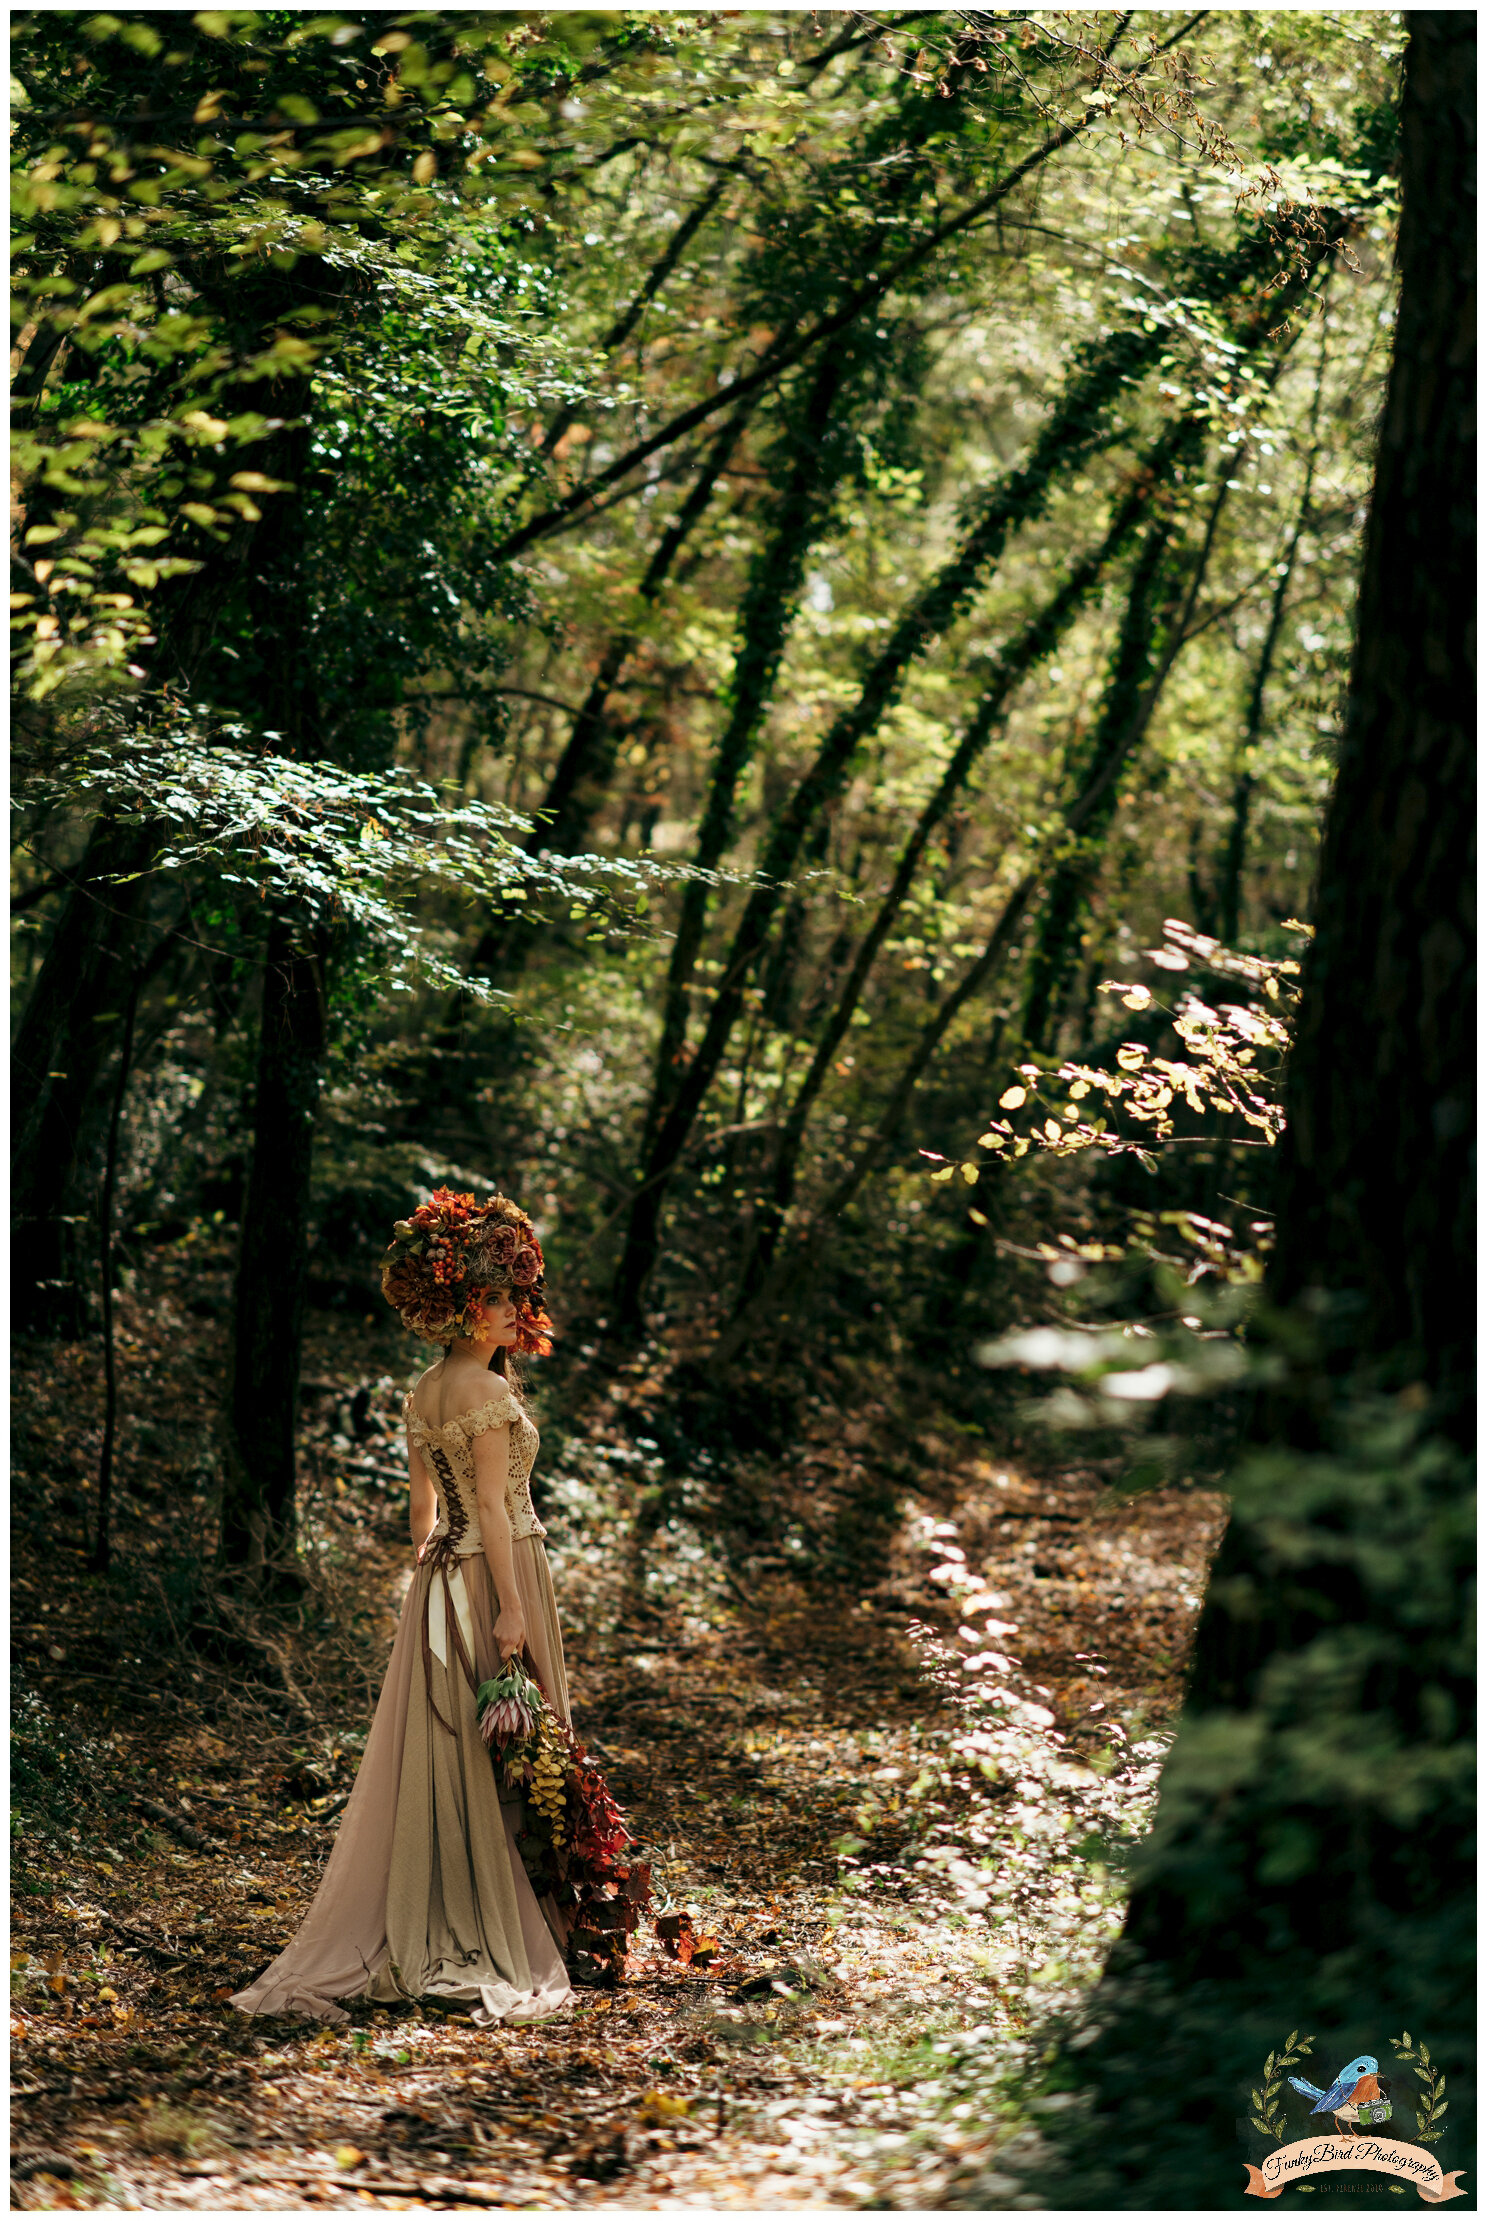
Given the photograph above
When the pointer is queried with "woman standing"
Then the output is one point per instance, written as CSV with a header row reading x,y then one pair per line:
x,y
425,1893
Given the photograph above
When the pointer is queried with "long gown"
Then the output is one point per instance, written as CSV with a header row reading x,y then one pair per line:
x,y
425,1894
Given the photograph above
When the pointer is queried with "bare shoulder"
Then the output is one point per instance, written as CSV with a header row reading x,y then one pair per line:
x,y
466,1387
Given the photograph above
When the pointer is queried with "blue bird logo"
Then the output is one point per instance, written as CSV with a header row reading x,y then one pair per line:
x,y
1355,2096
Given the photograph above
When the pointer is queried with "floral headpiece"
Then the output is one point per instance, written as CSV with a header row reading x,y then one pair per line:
x,y
452,1255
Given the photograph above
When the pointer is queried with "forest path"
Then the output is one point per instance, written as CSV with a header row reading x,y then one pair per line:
x,y
747,1740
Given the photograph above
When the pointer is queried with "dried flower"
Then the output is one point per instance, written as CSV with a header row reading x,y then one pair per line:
x,y
452,1254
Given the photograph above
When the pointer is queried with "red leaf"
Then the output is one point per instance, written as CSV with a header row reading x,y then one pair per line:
x,y
678,1936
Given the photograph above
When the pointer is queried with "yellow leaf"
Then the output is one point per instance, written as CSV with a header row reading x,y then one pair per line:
x,y
1052,1129
425,169
1131,1056
1079,1090
347,2155
970,1173
947,1172
994,1141
1014,1098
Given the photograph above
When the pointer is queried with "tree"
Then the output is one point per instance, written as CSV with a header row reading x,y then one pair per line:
x,y
1311,1860
448,448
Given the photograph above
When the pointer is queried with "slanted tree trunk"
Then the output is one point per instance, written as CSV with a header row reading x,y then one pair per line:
x,y
1151,620
765,617
1077,424
580,780
1036,640
1311,1863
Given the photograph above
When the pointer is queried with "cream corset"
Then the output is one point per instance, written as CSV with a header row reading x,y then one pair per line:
x,y
449,1454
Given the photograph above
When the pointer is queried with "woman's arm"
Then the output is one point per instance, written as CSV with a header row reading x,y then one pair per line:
x,y
423,1501
492,1466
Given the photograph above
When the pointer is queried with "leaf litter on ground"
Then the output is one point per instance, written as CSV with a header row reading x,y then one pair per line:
x,y
887,1825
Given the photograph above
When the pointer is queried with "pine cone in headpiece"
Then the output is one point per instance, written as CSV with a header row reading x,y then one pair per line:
x,y
452,1255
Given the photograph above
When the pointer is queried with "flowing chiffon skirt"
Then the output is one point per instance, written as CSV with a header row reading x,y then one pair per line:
x,y
424,1894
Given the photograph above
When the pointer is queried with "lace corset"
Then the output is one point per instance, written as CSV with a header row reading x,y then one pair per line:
x,y
449,1454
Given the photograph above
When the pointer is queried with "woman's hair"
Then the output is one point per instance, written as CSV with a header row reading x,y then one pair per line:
x,y
452,1255
509,1366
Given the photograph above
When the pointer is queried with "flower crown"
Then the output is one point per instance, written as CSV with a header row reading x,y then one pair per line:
x,y
452,1255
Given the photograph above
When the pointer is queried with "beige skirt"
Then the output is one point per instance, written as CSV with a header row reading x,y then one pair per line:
x,y
425,1894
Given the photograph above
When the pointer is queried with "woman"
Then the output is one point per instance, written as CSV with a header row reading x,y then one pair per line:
x,y
425,1893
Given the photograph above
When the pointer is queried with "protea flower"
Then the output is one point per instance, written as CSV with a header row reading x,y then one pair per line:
x,y
510,1706
507,1721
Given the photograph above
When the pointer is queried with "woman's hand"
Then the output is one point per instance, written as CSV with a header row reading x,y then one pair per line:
x,y
510,1631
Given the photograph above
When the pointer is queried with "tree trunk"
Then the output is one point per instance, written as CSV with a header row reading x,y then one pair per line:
x,y
77,1000
1311,1863
581,779
1076,426
1101,775
1037,639
1153,616
258,1516
273,1255
58,1051
765,618
1231,879
102,1544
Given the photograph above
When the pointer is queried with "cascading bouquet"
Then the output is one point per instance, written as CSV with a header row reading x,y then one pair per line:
x,y
574,1843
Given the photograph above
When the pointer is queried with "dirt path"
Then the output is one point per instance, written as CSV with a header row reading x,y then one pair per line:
x,y
847,2043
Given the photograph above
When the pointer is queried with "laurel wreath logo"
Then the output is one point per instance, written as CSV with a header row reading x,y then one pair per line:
x,y
1433,2096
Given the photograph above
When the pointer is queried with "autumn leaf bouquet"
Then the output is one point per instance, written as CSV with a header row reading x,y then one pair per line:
x,y
575,1841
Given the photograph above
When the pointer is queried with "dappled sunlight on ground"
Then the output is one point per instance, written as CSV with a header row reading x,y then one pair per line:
x,y
853,2036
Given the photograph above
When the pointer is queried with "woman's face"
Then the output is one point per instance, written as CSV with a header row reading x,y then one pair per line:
x,y
499,1322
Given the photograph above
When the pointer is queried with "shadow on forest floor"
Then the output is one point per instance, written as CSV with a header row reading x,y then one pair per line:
x,y
175,1807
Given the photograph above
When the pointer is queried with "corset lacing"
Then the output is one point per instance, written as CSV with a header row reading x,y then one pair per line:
x,y
439,1556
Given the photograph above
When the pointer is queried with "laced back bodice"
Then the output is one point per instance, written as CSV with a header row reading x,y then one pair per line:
x,y
449,1454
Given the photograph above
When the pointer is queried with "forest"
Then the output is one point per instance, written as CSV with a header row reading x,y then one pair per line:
x,y
836,651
